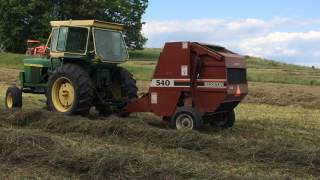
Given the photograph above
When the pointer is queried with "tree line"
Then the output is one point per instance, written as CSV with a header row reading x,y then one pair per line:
x,y
29,19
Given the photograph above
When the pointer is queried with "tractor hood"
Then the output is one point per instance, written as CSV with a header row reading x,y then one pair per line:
x,y
36,62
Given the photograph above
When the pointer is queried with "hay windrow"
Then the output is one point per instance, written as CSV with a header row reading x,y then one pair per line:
x,y
129,130
282,152
20,147
137,131
41,149
284,95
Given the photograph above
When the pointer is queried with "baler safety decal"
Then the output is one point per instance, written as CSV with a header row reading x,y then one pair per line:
x,y
201,83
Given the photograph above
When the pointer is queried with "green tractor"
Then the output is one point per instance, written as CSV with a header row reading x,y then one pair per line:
x,y
80,70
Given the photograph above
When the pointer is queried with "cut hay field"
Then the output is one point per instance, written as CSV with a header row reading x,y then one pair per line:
x,y
276,135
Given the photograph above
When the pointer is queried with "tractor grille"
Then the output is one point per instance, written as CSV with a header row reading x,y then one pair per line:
x,y
237,76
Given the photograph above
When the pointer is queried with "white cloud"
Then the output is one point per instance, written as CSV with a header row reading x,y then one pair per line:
x,y
294,40
198,26
283,44
247,24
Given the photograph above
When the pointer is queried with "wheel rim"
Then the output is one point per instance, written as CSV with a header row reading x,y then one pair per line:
x,y
63,94
116,91
10,101
184,121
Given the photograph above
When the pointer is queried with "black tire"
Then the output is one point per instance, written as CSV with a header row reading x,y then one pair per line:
x,y
128,84
129,91
83,89
225,121
13,98
103,110
186,118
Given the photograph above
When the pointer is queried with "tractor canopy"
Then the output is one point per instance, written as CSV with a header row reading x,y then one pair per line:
x,y
104,40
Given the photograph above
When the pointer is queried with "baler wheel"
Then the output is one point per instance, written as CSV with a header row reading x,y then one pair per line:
x,y
226,120
186,118
70,90
13,98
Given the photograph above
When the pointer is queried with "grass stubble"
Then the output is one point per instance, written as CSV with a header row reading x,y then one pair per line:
x,y
136,146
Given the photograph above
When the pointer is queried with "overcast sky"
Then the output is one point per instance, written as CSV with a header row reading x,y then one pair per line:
x,y
285,30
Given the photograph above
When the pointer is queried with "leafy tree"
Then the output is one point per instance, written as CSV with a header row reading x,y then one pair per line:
x,y
21,20
29,19
129,13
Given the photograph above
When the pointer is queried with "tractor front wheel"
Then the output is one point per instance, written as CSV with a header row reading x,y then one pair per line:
x,y
70,90
186,118
13,98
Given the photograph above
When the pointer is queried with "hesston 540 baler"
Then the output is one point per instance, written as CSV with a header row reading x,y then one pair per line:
x,y
193,84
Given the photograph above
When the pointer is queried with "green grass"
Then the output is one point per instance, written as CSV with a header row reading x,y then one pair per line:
x,y
258,63
142,70
259,70
10,60
146,54
285,76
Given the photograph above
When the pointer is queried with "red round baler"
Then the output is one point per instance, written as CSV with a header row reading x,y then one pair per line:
x,y
193,84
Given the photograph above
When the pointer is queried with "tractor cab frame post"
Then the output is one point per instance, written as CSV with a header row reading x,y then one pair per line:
x,y
208,79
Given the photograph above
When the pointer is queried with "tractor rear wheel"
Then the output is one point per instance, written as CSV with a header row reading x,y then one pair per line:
x,y
129,89
13,98
124,89
186,118
226,120
70,90
128,85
